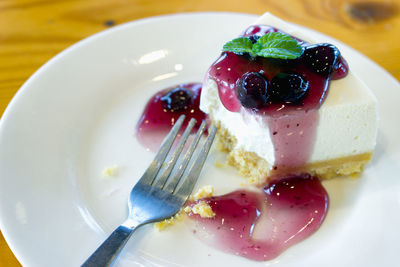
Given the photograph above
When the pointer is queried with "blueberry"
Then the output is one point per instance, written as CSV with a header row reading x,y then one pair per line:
x,y
252,90
321,58
254,38
288,88
177,99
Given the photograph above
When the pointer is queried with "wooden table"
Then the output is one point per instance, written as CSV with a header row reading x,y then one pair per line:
x,y
33,31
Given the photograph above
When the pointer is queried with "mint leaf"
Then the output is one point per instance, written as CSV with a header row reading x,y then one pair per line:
x,y
277,45
270,45
239,45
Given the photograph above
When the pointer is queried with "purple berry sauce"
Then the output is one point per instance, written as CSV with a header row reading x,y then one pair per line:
x,y
292,126
159,114
260,225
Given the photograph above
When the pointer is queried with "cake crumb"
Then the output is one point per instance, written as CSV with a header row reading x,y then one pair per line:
x,y
111,171
205,191
219,164
354,176
168,222
203,209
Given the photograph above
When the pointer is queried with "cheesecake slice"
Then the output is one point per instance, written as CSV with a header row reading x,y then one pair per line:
x,y
327,128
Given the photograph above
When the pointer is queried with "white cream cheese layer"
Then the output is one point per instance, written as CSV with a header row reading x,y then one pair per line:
x,y
347,119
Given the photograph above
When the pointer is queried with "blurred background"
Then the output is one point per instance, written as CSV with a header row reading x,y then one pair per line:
x,y
33,31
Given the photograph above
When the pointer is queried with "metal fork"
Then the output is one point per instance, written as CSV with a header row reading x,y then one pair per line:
x,y
158,195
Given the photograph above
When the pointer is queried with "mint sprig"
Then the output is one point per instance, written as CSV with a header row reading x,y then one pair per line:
x,y
270,45
239,45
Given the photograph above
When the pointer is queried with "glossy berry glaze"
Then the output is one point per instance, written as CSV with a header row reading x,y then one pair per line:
x,y
160,114
260,225
292,126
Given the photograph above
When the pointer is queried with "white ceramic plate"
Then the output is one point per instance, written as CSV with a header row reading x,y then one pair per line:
x,y
77,114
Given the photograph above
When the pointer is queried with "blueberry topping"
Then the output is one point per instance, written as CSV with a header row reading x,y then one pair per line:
x,y
254,38
252,90
322,58
177,99
288,87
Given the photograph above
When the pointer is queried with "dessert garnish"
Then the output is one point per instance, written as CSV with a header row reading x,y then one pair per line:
x,y
259,225
164,108
252,90
278,55
271,45
322,58
177,99
288,88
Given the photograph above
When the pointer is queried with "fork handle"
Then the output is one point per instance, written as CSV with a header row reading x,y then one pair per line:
x,y
111,247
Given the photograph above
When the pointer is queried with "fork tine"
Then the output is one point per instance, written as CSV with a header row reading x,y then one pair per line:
x,y
158,160
194,172
160,182
173,182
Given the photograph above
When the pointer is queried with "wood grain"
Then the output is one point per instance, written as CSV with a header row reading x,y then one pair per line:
x,y
33,31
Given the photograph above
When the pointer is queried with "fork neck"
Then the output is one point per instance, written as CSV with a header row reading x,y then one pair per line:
x,y
131,223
